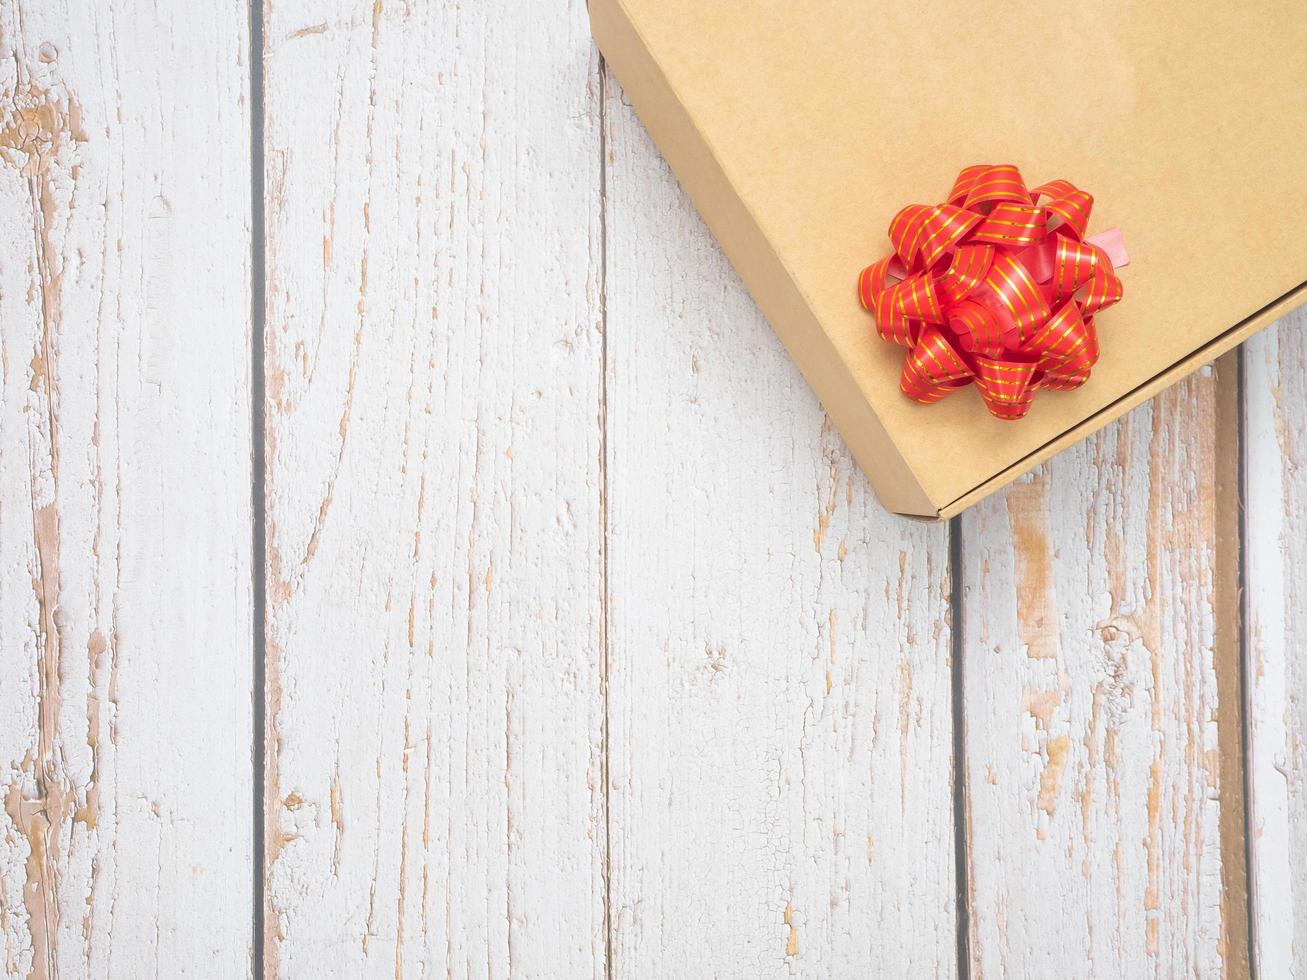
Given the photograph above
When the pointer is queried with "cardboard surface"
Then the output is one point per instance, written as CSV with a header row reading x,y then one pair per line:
x,y
801,129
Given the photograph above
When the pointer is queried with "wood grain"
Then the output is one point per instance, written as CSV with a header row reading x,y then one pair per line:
x,y
589,650
1276,580
1102,704
433,525
780,729
125,574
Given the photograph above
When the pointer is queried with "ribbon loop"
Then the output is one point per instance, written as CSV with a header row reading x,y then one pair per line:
x,y
1066,344
1008,386
997,183
1074,263
1012,225
966,180
978,329
1011,284
1069,203
943,229
914,297
933,369
905,232
968,269
1105,288
871,283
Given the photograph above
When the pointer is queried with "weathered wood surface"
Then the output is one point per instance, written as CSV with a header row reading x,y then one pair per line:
x,y
1101,704
589,651
125,506
779,687
434,703
1275,365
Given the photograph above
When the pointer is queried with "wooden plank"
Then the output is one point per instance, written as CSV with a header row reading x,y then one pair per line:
x,y
780,726
1276,494
1103,791
125,575
433,526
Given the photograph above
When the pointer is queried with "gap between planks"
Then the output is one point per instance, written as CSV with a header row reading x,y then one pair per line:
x,y
1230,658
258,471
605,638
1229,600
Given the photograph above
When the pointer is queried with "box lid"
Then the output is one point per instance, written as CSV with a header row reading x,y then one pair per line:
x,y
1187,122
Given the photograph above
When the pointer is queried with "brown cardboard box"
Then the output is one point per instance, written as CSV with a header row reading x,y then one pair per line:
x,y
800,129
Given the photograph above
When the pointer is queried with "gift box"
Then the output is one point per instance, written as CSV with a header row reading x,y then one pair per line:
x,y
800,130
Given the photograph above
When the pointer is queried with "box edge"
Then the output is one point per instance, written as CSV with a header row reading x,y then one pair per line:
x,y
690,156
1158,383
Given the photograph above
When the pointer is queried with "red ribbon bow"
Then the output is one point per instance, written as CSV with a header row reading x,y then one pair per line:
x,y
993,287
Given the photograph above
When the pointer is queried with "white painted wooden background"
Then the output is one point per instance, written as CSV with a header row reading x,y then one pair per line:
x,y
418,558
